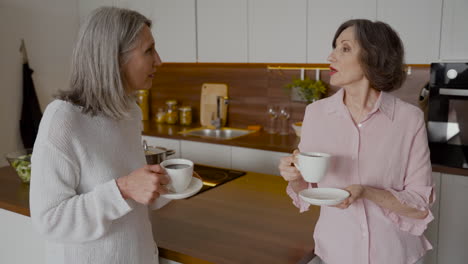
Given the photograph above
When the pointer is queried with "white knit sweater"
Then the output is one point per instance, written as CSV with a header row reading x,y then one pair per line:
x,y
74,199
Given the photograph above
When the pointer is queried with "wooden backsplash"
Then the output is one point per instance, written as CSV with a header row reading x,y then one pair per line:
x,y
251,88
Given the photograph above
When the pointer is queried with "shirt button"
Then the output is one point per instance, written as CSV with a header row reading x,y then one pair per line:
x,y
359,125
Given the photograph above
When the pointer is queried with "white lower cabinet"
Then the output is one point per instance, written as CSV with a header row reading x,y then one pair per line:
x,y
432,230
207,154
167,143
255,160
453,220
238,158
19,242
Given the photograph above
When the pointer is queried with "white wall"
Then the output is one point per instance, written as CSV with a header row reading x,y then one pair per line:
x,y
49,29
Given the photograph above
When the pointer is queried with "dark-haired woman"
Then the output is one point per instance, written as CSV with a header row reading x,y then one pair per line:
x,y
380,154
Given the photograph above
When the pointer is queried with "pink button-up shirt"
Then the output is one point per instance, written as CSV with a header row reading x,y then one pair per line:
x,y
387,150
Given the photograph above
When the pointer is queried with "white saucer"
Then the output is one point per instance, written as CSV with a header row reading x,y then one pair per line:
x,y
194,186
323,196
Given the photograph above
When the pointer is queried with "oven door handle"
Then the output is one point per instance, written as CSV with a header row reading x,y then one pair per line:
x,y
455,92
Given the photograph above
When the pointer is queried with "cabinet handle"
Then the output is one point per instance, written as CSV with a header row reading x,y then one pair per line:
x,y
456,92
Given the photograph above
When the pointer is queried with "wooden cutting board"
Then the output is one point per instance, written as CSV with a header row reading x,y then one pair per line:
x,y
209,93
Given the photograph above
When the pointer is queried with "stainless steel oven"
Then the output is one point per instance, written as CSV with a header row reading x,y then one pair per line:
x,y
448,114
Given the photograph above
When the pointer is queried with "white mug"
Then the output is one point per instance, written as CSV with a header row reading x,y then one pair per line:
x,y
180,172
312,165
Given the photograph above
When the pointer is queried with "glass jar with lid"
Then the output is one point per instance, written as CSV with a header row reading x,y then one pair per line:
x,y
143,102
160,116
172,115
185,115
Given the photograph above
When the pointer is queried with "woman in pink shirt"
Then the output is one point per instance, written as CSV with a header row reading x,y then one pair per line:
x,y
379,154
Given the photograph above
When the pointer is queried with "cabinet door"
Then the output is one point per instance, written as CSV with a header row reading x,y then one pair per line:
x,y
453,223
454,41
174,30
255,160
418,24
432,230
277,30
85,7
144,7
165,143
222,30
19,241
206,154
324,18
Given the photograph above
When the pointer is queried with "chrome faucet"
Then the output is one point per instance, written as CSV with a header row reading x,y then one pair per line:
x,y
216,121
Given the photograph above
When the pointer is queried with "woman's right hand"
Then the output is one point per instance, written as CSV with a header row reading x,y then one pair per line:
x,y
144,185
287,169
290,173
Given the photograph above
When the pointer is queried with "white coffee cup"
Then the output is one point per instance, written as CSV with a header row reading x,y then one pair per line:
x,y
180,172
312,165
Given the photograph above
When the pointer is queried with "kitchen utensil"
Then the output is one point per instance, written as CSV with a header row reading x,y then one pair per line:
x,y
21,161
209,95
323,196
283,120
272,112
180,172
312,165
194,186
297,126
155,155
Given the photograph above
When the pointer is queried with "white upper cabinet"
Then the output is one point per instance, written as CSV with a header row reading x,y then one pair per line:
x,y
85,7
222,30
144,7
324,18
277,30
454,42
418,24
174,30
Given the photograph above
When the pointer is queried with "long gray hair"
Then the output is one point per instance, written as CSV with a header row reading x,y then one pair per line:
x,y
104,41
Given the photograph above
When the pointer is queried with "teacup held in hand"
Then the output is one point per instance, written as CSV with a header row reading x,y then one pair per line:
x,y
180,172
312,165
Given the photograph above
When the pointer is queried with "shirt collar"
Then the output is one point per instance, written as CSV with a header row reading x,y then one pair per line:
x,y
385,104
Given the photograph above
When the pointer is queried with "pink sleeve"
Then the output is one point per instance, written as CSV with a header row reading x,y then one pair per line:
x,y
297,201
418,191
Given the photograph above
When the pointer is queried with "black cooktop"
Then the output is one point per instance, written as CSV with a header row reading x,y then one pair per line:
x,y
213,177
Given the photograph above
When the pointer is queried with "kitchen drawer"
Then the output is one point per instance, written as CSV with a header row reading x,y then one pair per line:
x,y
206,153
255,160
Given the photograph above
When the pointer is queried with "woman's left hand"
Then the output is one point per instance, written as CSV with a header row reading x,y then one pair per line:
x,y
356,191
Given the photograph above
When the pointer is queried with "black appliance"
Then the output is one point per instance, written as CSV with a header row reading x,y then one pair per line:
x,y
447,124
213,176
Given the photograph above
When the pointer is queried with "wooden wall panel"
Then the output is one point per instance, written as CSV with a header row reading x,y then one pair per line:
x,y
251,88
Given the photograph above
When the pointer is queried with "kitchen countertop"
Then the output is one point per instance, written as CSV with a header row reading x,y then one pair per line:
x,y
247,220
258,140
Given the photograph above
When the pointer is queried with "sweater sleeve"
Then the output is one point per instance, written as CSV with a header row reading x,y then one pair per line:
x,y
418,189
58,211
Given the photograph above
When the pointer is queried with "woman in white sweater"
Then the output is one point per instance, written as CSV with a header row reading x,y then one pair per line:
x,y
90,187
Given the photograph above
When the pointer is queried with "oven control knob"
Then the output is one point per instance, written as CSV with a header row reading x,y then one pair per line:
x,y
452,74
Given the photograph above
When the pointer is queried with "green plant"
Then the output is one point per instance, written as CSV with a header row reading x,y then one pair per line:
x,y
309,90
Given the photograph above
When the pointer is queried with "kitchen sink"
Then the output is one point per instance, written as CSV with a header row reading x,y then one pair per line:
x,y
224,133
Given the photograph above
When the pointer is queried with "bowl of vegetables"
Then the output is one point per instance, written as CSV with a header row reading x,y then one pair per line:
x,y
21,162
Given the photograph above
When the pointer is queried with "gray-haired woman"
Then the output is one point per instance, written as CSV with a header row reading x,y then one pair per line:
x,y
90,186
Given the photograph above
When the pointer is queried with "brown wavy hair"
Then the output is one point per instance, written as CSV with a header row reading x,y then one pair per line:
x,y
382,53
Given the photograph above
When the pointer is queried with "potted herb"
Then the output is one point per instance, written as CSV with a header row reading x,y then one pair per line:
x,y
309,90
